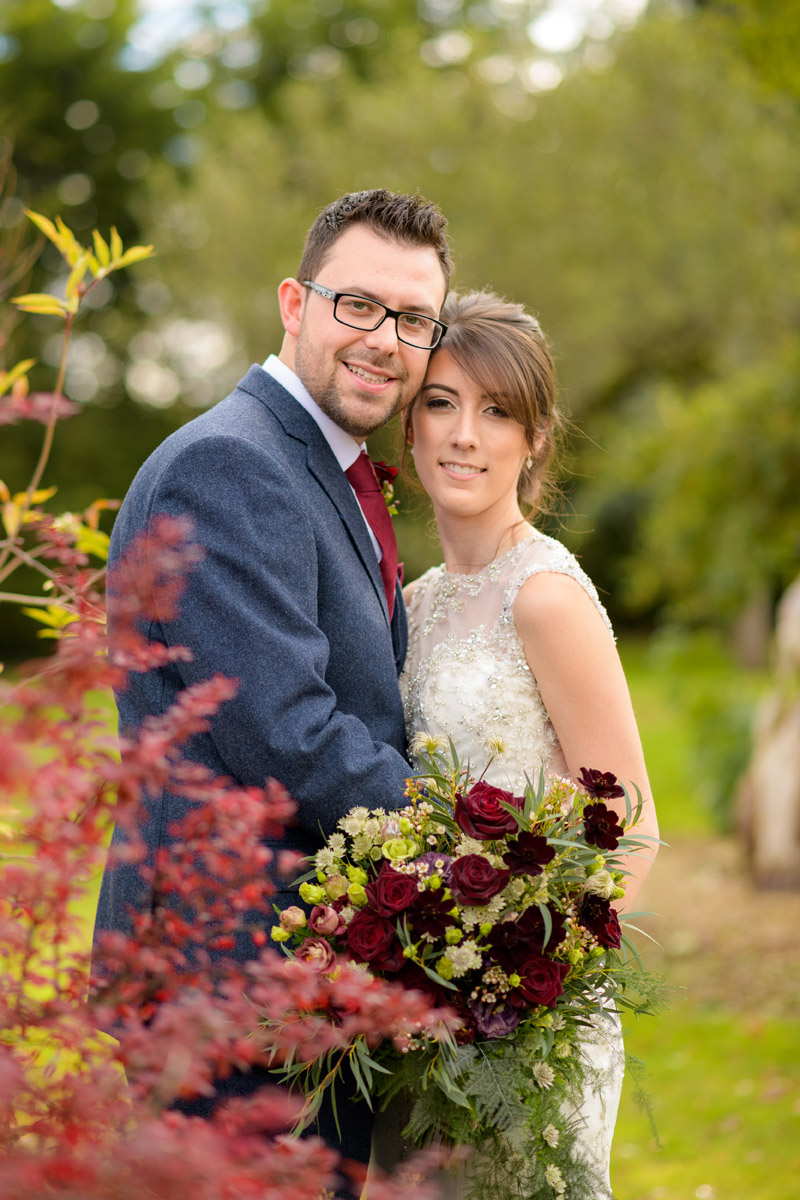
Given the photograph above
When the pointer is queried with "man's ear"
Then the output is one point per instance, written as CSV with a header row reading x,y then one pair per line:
x,y
291,298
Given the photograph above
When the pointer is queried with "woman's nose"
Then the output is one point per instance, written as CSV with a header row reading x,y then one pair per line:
x,y
464,431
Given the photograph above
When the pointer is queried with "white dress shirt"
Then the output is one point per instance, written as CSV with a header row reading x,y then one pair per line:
x,y
345,447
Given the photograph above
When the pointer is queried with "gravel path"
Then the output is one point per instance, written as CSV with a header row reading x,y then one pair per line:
x,y
727,943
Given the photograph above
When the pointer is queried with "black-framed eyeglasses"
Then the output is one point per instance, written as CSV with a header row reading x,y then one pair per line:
x,y
358,312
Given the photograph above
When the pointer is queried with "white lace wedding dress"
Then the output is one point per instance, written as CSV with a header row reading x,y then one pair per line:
x,y
467,678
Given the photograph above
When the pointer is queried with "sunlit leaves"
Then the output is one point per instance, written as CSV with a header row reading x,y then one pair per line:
x,y
101,260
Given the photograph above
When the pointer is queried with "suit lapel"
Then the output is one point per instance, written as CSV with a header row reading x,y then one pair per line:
x,y
322,465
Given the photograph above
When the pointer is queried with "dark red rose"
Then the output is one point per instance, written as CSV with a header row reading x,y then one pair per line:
x,y
480,813
601,920
528,853
372,939
600,784
391,892
517,939
430,914
385,472
600,826
473,879
542,980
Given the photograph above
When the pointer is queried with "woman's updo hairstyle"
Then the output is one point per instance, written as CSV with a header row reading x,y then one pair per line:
x,y
503,350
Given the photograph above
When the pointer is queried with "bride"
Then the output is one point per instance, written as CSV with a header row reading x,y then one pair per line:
x,y
508,641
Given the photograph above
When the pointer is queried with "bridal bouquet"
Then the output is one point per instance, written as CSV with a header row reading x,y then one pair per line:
x,y
500,908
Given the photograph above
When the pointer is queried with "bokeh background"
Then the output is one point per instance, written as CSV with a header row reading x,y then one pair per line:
x,y
629,171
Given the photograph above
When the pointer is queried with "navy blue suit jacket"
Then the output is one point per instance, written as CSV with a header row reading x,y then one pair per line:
x,y
288,600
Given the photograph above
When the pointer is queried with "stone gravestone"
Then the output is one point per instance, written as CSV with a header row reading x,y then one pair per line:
x,y
769,793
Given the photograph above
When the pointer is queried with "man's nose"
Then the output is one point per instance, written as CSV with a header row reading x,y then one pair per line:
x,y
384,338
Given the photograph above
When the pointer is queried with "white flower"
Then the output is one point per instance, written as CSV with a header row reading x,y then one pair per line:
x,y
428,743
562,1048
544,1074
555,1179
362,844
601,884
347,914
354,821
372,827
337,843
495,746
472,915
324,858
551,1135
468,845
466,957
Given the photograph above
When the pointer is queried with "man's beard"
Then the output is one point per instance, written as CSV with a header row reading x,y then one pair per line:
x,y
327,394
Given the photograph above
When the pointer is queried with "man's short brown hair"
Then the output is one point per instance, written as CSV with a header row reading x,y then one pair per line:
x,y
393,215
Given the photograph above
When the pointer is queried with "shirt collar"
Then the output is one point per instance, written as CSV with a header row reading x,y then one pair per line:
x,y
345,448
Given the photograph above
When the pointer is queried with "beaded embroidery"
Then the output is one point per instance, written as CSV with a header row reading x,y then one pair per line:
x,y
466,674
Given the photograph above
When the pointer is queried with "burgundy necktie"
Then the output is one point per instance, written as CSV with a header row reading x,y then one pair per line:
x,y
364,483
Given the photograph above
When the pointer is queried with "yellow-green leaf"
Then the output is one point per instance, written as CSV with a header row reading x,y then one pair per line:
x,y
11,518
135,254
92,541
101,248
47,228
54,616
76,275
41,302
72,247
5,494
37,497
9,378
116,244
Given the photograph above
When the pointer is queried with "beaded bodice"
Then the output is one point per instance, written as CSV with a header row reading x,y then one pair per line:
x,y
466,675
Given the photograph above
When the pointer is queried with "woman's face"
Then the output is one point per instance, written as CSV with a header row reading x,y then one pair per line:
x,y
468,452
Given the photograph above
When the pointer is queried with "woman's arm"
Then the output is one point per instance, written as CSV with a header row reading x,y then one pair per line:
x,y
579,674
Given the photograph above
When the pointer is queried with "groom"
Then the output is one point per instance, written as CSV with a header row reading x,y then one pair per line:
x,y
297,596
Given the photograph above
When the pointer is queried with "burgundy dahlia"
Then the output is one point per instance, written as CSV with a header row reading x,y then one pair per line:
x,y
528,853
512,940
430,913
601,826
601,920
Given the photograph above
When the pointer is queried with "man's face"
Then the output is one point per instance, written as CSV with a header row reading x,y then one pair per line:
x,y
360,378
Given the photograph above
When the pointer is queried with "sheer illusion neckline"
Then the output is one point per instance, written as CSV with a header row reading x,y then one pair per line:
x,y
490,567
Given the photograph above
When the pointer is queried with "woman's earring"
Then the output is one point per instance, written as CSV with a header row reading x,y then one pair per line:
x,y
529,461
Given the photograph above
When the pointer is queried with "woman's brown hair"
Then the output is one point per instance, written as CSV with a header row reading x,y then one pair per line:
x,y
503,350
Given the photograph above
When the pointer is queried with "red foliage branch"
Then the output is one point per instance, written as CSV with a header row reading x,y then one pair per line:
x,y
183,1010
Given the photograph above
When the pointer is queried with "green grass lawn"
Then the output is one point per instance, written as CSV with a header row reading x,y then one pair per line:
x,y
724,1084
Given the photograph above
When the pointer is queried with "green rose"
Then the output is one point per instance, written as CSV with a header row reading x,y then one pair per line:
x,y
398,848
357,875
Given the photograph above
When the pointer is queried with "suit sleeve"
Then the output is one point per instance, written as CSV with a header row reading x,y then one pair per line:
x,y
250,612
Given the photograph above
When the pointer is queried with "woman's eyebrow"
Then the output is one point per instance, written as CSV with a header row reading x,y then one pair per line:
x,y
440,387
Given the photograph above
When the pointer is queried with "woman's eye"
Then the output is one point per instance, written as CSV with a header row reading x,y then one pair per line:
x,y
438,402
494,410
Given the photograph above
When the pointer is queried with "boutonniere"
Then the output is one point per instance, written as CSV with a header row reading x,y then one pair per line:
x,y
386,477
